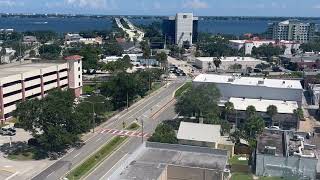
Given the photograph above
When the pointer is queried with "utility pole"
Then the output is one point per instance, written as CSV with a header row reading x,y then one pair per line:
x,y
127,101
93,118
142,131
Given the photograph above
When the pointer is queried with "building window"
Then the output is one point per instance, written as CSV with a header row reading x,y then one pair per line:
x,y
78,61
78,68
79,83
185,16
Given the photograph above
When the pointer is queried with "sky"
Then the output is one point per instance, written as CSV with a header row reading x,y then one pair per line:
x,y
303,8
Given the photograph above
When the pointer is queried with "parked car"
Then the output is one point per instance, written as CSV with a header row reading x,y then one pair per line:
x,y
8,131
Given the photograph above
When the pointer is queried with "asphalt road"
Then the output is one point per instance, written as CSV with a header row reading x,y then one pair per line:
x,y
104,170
146,109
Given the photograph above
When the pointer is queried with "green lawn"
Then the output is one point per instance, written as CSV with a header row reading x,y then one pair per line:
x,y
96,158
182,89
23,156
241,176
244,176
134,126
235,160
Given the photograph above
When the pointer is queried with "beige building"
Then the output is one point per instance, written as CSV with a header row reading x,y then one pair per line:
x,y
205,135
33,79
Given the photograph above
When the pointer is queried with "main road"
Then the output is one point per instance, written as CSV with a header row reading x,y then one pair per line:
x,y
150,110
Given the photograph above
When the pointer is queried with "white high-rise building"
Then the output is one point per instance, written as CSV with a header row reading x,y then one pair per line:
x,y
184,28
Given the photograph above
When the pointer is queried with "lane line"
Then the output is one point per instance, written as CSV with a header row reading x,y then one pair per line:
x,y
13,175
76,155
113,166
98,139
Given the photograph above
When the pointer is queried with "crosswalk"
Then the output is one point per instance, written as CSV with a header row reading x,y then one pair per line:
x,y
124,133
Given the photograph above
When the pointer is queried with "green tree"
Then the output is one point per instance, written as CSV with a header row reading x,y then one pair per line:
x,y
112,49
299,113
90,56
250,111
199,101
50,52
272,110
228,109
164,134
32,53
217,62
53,120
121,65
162,58
254,125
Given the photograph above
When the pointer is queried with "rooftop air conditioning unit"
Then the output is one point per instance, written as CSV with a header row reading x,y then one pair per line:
x,y
270,150
260,82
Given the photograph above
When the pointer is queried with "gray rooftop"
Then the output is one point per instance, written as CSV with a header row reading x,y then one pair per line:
x,y
151,160
273,139
27,66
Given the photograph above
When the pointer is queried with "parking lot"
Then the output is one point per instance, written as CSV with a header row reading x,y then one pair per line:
x,y
16,170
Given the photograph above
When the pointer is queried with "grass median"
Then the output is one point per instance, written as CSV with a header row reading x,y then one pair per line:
x,y
96,158
183,89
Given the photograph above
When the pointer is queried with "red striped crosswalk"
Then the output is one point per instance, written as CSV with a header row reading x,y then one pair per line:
x,y
124,133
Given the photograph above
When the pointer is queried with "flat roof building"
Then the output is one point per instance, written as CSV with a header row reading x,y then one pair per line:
x,y
205,135
27,80
285,117
207,63
172,161
253,87
288,154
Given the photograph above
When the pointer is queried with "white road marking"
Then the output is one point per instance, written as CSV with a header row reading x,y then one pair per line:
x,y
77,155
98,139
113,167
50,174
10,177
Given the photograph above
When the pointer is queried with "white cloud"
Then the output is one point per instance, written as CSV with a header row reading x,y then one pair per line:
x,y
10,3
195,4
93,4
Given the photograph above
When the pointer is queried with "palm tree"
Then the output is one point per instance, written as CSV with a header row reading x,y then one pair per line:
x,y
3,52
272,110
250,111
217,63
299,113
162,58
228,109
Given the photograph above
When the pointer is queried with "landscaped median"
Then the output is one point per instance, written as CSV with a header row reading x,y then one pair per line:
x,y
183,89
98,157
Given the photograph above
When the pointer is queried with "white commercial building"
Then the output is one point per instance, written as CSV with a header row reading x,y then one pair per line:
x,y
254,88
184,28
207,63
77,38
248,44
28,80
8,56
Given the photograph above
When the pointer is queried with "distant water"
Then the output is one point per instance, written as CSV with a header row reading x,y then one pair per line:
x,y
62,25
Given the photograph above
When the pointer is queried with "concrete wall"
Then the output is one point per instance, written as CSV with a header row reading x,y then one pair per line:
x,y
268,165
198,143
285,121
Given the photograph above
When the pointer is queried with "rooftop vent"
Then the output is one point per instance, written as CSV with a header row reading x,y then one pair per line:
x,y
283,82
230,79
260,82
270,150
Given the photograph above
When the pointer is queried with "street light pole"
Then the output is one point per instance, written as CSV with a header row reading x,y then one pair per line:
x,y
142,130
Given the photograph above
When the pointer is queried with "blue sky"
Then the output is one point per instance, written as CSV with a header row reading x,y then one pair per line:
x,y
166,7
